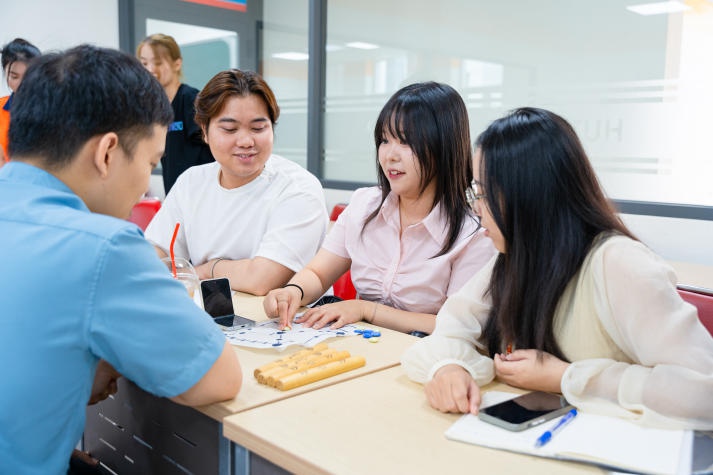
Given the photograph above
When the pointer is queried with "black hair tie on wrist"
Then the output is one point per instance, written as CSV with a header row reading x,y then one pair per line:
x,y
302,292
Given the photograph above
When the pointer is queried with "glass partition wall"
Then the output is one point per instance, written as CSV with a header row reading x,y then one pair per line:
x,y
634,83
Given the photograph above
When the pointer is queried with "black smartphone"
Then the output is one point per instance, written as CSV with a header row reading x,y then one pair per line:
x,y
525,411
324,300
218,302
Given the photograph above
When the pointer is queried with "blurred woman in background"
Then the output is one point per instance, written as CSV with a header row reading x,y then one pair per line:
x,y
185,147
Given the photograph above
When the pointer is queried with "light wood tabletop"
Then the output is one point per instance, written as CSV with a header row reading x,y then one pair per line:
x,y
376,424
384,354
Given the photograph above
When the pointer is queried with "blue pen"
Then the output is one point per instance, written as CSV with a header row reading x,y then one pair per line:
x,y
547,435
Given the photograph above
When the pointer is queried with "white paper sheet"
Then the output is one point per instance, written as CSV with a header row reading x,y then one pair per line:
x,y
592,438
267,335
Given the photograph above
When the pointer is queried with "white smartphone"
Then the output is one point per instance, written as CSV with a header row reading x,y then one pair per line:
x,y
523,412
218,302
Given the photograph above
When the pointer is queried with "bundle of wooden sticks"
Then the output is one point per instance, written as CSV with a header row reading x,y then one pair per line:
x,y
307,366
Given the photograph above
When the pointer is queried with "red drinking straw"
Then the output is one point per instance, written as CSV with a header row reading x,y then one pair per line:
x,y
170,249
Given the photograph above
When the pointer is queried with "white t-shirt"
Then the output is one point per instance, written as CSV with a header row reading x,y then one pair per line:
x,y
281,216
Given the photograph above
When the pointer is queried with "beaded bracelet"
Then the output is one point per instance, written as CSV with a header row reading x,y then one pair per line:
x,y
302,292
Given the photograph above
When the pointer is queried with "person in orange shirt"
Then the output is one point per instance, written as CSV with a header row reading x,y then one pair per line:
x,y
15,57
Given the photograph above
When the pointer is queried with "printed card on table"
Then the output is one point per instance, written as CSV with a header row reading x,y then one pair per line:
x,y
267,334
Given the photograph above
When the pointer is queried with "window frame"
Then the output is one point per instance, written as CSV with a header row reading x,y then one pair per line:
x,y
316,100
315,123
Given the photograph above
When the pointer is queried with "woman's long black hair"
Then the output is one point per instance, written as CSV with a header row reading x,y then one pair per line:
x,y
546,200
432,119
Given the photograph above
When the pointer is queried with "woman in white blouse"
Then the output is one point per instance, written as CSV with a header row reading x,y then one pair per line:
x,y
572,303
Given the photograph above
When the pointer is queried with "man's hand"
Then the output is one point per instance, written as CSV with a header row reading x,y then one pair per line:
x,y
104,382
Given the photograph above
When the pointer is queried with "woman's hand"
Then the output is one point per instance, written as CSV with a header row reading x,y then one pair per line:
x,y
338,314
453,389
523,369
283,303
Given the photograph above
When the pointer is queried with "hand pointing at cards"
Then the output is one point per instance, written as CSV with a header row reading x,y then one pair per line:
x,y
283,303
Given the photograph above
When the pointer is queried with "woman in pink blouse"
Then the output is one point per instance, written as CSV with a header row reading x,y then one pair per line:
x,y
411,241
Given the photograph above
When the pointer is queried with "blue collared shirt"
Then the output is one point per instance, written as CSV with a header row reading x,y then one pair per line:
x,y
75,287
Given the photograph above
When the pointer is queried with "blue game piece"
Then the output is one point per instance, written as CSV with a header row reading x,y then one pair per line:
x,y
376,333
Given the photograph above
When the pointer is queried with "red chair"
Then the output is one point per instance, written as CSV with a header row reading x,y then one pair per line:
x,y
336,211
144,211
343,286
702,299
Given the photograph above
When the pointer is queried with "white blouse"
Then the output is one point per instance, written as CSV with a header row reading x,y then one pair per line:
x,y
638,351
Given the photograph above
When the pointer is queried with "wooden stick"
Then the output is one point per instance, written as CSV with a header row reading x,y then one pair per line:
x,y
263,376
311,362
298,355
293,364
320,372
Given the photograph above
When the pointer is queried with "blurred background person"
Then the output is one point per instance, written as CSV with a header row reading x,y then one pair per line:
x,y
185,147
15,57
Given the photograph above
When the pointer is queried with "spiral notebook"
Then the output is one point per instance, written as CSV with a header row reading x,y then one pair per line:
x,y
608,442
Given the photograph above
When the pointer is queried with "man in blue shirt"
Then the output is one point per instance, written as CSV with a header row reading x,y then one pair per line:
x,y
78,283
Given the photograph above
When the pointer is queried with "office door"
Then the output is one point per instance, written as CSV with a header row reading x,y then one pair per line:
x,y
214,35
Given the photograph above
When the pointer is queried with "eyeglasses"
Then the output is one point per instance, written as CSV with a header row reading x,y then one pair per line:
x,y
473,193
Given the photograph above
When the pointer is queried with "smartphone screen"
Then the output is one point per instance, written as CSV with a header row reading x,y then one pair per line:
x,y
234,321
217,299
525,411
218,302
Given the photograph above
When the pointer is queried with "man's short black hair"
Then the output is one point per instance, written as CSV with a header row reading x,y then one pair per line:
x,y
67,98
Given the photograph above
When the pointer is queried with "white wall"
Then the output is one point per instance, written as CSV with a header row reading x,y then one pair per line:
x,y
50,24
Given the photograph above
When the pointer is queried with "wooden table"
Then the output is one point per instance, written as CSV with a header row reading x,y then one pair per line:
x,y
136,432
376,424
384,354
